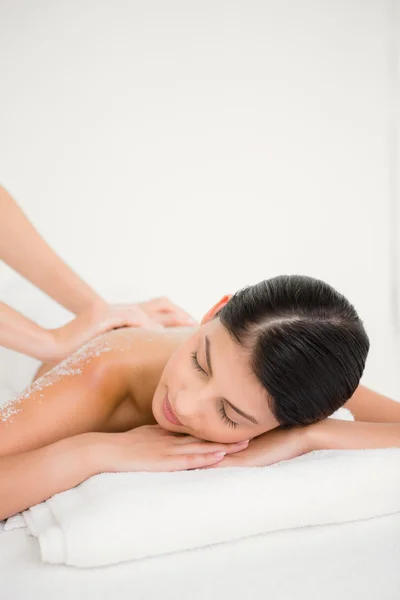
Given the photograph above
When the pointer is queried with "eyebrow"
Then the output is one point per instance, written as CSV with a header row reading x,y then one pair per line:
x,y
240,412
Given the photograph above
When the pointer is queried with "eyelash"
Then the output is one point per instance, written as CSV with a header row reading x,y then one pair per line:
x,y
196,363
226,418
221,409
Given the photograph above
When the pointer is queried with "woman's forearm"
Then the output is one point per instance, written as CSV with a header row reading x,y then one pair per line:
x,y
24,250
31,477
335,434
23,335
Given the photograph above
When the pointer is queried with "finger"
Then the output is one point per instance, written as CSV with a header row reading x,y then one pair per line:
x,y
133,320
166,319
144,320
206,448
183,316
227,461
164,305
235,448
185,438
138,324
132,315
193,461
171,319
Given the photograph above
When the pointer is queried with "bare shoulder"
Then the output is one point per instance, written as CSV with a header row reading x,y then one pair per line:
x,y
76,396
104,386
139,356
113,346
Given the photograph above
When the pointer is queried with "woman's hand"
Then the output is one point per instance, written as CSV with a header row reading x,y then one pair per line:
x,y
91,323
152,448
271,447
154,314
163,311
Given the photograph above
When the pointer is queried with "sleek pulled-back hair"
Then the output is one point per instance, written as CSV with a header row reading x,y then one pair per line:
x,y
307,345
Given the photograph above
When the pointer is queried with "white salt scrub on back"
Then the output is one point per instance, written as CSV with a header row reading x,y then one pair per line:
x,y
70,366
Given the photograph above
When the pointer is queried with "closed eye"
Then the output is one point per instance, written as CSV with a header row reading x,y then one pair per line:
x,y
221,410
196,363
225,417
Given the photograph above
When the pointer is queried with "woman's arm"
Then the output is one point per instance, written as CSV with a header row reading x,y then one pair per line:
x,y
367,405
24,250
22,335
377,425
52,345
31,477
334,434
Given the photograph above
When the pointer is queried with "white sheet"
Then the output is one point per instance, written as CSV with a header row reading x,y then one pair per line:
x,y
350,561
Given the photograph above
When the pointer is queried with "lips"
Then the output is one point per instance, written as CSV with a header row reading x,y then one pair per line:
x,y
168,412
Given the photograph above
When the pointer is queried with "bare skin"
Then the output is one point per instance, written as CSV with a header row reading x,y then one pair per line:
x,y
124,388
101,410
135,362
42,267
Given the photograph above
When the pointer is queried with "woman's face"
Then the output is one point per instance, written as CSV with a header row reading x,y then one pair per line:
x,y
211,389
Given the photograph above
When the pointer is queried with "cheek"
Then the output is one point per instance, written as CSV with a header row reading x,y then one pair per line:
x,y
177,375
219,436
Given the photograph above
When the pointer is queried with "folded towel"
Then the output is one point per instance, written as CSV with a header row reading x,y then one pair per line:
x,y
114,517
20,520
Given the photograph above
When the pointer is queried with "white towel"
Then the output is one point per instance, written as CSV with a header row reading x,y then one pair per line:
x,y
21,519
114,517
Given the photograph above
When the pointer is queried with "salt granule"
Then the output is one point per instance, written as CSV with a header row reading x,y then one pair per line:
x,y
72,365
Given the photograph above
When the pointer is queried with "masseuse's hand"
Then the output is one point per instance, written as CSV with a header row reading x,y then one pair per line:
x,y
152,448
271,447
91,323
163,311
101,317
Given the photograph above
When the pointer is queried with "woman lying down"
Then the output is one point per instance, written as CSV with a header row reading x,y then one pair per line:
x,y
252,385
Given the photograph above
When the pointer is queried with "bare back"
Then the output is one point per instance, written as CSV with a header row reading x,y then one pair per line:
x,y
106,386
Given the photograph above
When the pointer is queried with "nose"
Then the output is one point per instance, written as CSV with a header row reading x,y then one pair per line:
x,y
187,406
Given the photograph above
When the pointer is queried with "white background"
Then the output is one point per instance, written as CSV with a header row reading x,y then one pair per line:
x,y
188,148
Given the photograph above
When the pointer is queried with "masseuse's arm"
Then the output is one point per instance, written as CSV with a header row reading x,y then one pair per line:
x,y
24,250
19,333
376,425
23,335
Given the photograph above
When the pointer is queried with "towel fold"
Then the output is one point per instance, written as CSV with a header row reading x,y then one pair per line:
x,y
114,517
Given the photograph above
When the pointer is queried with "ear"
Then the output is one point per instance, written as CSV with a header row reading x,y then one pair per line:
x,y
215,309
